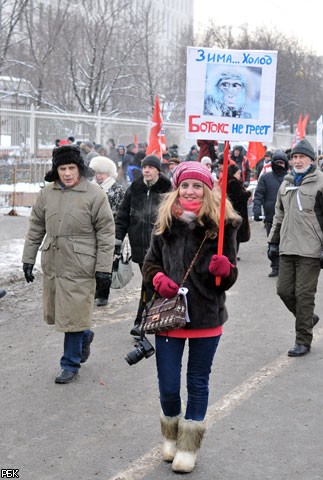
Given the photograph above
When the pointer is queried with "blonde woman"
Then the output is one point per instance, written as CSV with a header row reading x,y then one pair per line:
x,y
187,216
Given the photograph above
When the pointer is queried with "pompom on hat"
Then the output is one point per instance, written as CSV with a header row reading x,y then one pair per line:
x,y
65,155
192,171
305,148
101,164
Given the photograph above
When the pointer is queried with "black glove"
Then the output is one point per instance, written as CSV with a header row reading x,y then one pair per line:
x,y
103,280
28,271
117,247
256,217
273,251
321,260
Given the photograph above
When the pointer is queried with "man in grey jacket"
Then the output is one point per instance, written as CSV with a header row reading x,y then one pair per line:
x,y
297,236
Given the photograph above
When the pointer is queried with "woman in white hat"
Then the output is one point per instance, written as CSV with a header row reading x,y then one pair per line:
x,y
105,176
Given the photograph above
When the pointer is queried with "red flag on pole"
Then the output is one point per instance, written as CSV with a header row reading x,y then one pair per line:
x,y
256,151
135,139
304,123
299,129
157,139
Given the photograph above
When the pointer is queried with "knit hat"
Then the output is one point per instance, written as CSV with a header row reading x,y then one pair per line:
x,y
206,161
193,171
64,155
102,164
304,147
152,161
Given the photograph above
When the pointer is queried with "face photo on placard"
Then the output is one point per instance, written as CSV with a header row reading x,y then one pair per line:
x,y
232,91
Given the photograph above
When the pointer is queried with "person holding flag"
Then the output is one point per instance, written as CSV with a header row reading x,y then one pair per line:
x,y
189,218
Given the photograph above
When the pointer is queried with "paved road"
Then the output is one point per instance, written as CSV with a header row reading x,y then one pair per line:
x,y
265,417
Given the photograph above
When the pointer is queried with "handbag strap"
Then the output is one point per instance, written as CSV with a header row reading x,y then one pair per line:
x,y
194,259
148,305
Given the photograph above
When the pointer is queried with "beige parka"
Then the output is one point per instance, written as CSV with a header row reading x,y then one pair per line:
x,y
79,232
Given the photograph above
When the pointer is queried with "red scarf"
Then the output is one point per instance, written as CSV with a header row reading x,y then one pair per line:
x,y
194,207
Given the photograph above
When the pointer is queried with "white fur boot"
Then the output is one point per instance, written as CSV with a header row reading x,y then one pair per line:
x,y
169,427
189,439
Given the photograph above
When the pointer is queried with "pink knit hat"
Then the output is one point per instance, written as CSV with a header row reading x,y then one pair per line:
x,y
193,171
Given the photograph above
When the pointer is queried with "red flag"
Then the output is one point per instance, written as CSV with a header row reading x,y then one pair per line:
x,y
135,139
256,151
157,139
304,123
299,131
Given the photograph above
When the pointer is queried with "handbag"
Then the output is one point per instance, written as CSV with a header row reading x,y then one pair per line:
x,y
164,314
122,267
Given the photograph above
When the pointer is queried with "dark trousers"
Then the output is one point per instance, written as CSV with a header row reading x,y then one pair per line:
x,y
275,261
296,286
145,296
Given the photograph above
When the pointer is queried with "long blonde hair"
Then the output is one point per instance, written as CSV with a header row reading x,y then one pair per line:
x,y
210,209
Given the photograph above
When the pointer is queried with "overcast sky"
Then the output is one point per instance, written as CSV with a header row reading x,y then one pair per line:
x,y
292,18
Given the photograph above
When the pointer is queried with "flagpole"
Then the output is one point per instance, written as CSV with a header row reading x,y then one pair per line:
x,y
223,201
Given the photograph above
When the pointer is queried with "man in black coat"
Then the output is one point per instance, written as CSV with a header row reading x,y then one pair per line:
x,y
265,197
136,217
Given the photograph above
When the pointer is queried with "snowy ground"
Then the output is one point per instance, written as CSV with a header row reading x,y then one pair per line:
x,y
11,245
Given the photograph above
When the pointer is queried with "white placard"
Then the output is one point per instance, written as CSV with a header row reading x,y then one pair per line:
x,y
230,94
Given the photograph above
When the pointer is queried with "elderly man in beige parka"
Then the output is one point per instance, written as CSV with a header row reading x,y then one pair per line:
x,y
76,220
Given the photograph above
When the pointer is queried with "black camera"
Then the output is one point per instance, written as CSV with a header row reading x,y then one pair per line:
x,y
142,349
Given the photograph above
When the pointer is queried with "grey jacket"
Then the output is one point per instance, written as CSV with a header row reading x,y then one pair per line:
x,y
298,221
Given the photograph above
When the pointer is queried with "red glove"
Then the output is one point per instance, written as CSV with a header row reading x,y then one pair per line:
x,y
220,266
164,285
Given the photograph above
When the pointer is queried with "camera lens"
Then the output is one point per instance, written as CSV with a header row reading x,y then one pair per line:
x,y
134,356
142,349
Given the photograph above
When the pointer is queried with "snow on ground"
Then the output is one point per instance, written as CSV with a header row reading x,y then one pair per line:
x,y
20,187
11,251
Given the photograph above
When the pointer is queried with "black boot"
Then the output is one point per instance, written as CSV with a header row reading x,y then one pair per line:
x,y
273,273
2,292
101,302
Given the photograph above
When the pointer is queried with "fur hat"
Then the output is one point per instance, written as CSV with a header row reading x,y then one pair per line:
x,y
153,161
192,171
64,155
304,147
102,164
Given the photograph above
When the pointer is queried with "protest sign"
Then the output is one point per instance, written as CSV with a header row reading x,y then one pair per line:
x,y
230,94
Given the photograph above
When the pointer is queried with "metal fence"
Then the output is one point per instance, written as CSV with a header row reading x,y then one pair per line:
x,y
27,138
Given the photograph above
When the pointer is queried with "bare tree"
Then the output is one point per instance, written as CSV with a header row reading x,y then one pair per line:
x,y
44,44
11,12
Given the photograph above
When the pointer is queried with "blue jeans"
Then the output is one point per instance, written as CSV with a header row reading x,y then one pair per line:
x,y
73,342
169,353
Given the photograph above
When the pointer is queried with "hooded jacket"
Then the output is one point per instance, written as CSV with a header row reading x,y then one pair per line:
x,y
298,221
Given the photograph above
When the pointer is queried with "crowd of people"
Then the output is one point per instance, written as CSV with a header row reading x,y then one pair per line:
x,y
169,209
